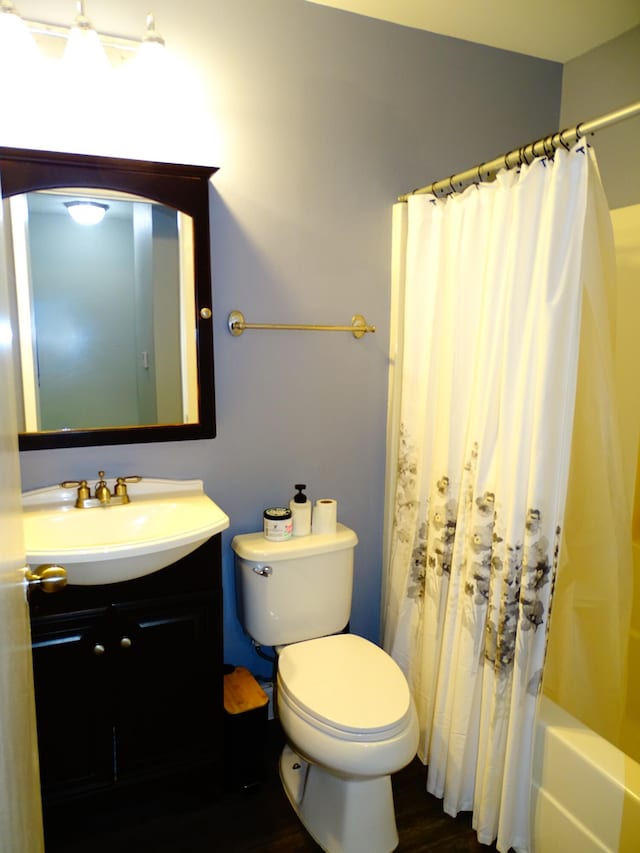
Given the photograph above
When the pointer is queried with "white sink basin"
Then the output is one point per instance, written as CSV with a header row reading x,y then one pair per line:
x,y
164,521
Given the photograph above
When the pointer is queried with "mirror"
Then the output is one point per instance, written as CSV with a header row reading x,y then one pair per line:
x,y
114,340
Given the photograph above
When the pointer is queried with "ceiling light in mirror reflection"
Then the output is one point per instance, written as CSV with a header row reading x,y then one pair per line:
x,y
79,98
86,212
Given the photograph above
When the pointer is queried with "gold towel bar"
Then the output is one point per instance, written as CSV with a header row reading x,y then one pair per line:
x,y
237,325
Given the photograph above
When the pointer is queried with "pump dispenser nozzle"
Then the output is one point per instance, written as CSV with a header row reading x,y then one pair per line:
x,y
300,507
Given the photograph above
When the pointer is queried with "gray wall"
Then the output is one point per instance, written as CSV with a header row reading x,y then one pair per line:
x,y
325,118
599,82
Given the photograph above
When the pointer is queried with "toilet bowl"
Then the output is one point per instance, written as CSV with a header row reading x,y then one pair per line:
x,y
345,707
344,704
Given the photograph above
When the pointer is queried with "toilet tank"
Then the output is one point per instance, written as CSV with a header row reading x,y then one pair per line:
x,y
294,590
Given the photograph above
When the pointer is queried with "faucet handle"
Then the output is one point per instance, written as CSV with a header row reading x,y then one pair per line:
x,y
84,493
72,484
121,486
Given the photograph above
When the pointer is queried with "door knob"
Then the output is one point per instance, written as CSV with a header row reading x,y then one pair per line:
x,y
98,649
125,643
48,577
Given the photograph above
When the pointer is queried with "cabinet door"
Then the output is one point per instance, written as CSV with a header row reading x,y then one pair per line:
x,y
75,732
168,700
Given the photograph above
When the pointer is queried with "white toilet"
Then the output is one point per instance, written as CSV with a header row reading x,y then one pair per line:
x,y
344,704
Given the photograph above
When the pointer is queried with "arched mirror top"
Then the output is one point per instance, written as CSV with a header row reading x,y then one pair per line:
x,y
152,378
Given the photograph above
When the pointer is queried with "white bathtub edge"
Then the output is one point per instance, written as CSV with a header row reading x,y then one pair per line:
x,y
578,786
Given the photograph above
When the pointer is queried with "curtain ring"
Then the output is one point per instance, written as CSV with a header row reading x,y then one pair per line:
x,y
516,152
564,144
451,186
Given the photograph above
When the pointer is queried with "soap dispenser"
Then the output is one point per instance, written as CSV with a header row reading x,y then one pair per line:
x,y
300,507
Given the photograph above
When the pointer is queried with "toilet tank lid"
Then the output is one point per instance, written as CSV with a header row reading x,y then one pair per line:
x,y
254,546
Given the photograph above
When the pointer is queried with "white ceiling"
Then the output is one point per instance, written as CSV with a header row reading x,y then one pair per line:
x,y
550,29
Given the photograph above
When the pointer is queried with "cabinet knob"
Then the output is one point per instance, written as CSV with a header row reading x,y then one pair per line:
x,y
98,649
125,643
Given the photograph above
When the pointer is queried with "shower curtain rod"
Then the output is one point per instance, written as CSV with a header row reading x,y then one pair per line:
x,y
540,148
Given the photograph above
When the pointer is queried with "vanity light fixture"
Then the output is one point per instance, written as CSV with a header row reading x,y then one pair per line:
x,y
86,212
84,44
79,84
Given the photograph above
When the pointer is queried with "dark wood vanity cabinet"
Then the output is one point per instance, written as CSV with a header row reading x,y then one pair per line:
x,y
129,679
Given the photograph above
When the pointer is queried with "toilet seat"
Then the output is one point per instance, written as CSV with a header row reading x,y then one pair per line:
x,y
346,687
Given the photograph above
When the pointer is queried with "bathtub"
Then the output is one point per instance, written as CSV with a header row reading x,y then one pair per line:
x,y
585,792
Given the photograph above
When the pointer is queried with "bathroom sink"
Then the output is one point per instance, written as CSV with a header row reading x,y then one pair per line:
x,y
164,521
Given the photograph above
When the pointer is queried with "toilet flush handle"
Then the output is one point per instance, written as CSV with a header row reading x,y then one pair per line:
x,y
263,571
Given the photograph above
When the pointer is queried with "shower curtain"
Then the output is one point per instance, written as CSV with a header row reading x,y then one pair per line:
x,y
486,369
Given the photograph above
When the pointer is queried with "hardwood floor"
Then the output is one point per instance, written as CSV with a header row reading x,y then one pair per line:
x,y
260,820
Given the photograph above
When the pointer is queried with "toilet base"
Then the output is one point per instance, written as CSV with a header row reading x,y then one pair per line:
x,y
342,815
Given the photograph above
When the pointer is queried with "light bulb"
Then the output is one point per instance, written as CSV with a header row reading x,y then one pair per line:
x,y
84,55
21,68
18,49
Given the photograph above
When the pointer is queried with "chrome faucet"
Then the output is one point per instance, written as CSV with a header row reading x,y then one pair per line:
x,y
103,495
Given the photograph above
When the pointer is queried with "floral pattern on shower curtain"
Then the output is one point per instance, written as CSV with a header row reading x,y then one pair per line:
x,y
525,567
489,350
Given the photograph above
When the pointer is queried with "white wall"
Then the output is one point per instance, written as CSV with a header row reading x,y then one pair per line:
x,y
323,118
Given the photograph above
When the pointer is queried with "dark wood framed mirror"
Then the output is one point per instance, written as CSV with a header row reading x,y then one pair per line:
x,y
114,340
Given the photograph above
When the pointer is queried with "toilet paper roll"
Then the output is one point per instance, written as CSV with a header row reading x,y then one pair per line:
x,y
325,516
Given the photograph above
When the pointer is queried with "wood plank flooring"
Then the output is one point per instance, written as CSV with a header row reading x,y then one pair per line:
x,y
257,821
